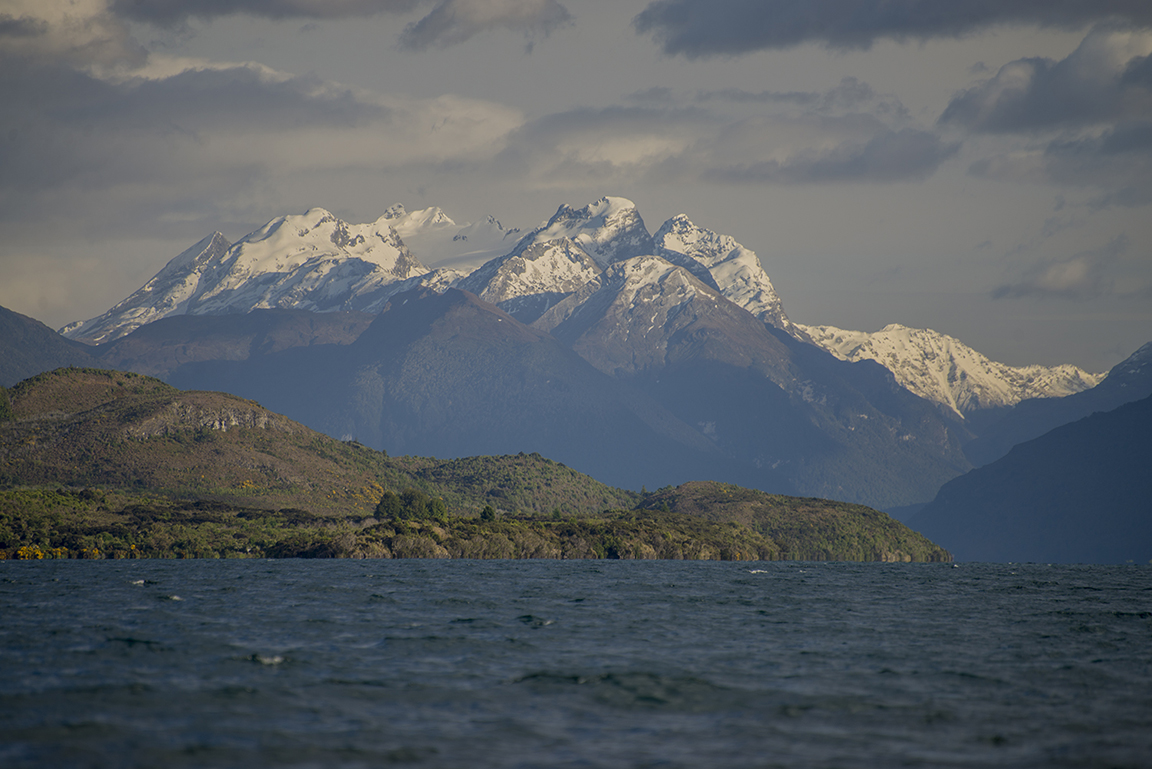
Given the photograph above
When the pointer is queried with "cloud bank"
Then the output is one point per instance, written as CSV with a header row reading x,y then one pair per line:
x,y
698,28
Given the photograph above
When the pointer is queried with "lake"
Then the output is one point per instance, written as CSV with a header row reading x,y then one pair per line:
x,y
294,663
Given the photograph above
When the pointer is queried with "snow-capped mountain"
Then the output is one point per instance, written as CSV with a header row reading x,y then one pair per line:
x,y
532,278
609,230
313,261
436,240
644,312
167,293
944,370
317,262
735,269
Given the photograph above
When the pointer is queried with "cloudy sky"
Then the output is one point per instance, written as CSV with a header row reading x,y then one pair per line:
x,y
980,167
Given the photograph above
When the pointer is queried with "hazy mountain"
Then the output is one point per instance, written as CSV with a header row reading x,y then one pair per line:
x,y
835,429
28,347
1129,380
944,370
161,347
449,375
1079,493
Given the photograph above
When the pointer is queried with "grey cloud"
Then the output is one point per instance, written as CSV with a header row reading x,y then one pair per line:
x,y
891,156
849,94
691,144
1116,162
65,129
1085,88
172,12
454,21
21,26
653,95
1083,276
697,28
1138,72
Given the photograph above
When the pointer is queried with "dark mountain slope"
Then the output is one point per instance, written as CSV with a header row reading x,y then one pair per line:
x,y
162,346
1128,381
28,347
1080,493
767,400
449,375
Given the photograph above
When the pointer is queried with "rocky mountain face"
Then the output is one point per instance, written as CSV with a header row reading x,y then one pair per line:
x,y
946,371
736,271
533,277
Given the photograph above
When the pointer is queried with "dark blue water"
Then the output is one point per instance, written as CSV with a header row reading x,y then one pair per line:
x,y
573,664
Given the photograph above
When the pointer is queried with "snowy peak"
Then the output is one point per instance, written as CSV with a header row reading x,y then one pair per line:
x,y
438,241
630,317
944,370
609,230
528,281
288,242
736,270
311,261
168,293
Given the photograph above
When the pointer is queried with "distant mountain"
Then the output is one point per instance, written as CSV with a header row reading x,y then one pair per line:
x,y
695,369
310,262
28,347
533,277
1129,380
161,347
835,429
439,242
946,371
449,375
735,271
608,230
1078,494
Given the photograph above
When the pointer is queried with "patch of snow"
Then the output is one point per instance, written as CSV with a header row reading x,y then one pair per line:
x,y
944,370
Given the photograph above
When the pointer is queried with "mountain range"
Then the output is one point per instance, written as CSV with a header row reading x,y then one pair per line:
x,y
638,357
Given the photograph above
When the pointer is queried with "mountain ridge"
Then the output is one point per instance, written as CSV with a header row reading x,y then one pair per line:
x,y
343,273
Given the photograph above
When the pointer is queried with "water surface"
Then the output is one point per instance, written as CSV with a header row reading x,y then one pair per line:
x,y
573,664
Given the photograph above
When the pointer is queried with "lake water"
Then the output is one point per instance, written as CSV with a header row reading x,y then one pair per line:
x,y
573,664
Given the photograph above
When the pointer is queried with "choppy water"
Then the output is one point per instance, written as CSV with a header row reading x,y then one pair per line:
x,y
573,664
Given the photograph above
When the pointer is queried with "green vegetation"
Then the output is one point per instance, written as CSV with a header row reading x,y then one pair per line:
x,y
97,523
102,464
804,528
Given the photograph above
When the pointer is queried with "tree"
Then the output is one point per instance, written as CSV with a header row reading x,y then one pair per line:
x,y
389,506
